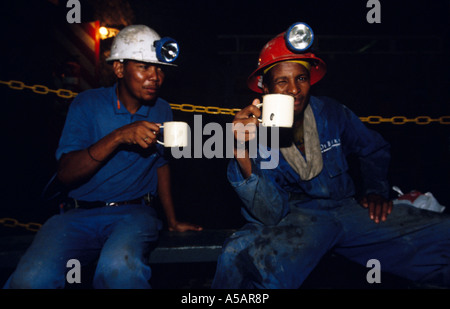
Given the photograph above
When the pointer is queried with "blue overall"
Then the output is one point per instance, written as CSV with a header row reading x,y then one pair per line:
x,y
119,237
292,223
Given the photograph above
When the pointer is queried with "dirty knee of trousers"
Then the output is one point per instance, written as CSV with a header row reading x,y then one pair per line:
x,y
122,271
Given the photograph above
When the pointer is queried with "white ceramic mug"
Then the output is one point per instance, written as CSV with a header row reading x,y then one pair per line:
x,y
175,134
277,110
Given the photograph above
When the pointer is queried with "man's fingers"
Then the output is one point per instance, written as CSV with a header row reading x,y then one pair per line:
x,y
363,202
378,212
379,207
151,126
372,210
148,136
142,142
249,111
256,102
385,211
245,130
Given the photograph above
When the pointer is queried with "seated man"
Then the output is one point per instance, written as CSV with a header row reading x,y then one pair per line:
x,y
305,206
109,159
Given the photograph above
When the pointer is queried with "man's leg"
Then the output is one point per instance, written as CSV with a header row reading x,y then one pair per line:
x,y
411,243
44,264
123,262
279,256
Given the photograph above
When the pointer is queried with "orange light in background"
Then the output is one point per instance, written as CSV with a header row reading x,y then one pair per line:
x,y
103,31
107,32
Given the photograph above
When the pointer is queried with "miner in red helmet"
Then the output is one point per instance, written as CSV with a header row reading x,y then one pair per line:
x,y
305,206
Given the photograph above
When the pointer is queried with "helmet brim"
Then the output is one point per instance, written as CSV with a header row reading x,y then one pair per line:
x,y
111,60
317,72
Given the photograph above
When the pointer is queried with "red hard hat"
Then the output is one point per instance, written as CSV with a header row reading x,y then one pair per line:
x,y
277,51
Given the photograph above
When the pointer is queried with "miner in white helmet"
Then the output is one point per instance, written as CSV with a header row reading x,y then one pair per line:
x,y
110,162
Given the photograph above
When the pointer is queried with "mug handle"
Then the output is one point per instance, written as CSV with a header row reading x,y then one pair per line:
x,y
161,143
258,106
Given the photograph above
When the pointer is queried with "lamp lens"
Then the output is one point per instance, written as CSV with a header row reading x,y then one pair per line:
x,y
167,49
300,37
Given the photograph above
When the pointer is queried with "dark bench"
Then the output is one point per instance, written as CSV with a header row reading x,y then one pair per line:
x,y
173,247
188,247
203,248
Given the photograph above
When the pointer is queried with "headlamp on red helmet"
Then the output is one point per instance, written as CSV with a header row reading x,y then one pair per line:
x,y
299,37
292,45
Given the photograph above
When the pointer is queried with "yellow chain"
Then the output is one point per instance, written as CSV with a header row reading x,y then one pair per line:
x,y
10,222
204,109
39,89
67,94
397,120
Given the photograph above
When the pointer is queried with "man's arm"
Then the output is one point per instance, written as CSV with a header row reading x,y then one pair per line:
x,y
374,157
77,166
263,198
244,130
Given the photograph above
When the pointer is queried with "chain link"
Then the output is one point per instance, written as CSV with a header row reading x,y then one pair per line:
x,y
39,89
189,108
10,222
399,120
204,109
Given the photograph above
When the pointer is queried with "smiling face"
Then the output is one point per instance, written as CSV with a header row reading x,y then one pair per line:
x,y
292,79
140,81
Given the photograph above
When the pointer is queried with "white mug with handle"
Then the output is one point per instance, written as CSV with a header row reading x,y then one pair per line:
x,y
277,110
175,134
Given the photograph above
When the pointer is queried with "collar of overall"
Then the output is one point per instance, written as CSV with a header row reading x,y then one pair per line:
x,y
311,165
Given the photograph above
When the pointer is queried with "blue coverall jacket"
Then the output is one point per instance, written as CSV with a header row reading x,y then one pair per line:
x,y
267,192
292,223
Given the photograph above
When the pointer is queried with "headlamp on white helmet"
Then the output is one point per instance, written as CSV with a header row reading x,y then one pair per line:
x,y
167,50
141,43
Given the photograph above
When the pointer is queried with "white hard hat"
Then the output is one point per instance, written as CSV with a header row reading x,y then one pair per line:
x,y
141,43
